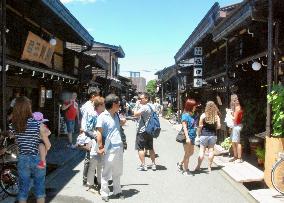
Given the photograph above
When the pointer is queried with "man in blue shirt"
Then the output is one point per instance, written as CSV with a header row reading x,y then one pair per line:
x,y
110,144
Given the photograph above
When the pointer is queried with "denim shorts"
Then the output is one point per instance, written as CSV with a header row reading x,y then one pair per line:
x,y
28,172
236,133
208,141
70,126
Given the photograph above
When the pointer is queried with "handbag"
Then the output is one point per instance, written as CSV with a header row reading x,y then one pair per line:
x,y
181,136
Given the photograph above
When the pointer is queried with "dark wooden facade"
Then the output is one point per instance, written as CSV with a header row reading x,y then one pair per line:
x,y
32,78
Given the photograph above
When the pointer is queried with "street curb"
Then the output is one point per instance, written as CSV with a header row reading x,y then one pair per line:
x,y
53,174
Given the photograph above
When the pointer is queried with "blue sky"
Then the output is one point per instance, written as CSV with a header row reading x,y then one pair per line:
x,y
149,31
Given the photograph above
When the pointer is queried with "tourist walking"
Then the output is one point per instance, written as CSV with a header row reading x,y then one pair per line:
x,y
27,132
189,125
144,141
111,145
237,116
95,166
209,122
88,124
71,113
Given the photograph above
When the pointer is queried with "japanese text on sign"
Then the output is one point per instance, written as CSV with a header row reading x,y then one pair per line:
x,y
197,72
197,82
37,49
198,61
198,51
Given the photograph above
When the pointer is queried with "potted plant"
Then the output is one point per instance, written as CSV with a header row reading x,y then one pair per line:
x,y
275,143
260,154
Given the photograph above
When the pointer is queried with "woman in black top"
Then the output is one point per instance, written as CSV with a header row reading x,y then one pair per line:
x,y
209,122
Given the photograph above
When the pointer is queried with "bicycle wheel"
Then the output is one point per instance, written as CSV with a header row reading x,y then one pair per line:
x,y
277,176
11,154
9,180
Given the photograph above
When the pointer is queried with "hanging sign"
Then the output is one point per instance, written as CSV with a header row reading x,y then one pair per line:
x,y
197,72
198,51
37,49
197,82
198,61
197,67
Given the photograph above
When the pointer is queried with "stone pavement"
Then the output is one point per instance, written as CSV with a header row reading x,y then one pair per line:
x,y
164,185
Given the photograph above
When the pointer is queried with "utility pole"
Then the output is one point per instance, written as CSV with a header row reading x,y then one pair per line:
x,y
3,62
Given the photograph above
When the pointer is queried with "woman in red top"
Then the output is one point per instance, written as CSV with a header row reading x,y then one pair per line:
x,y
237,114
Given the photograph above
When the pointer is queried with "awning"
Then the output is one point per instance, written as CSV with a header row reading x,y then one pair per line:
x,y
233,22
36,69
203,28
53,16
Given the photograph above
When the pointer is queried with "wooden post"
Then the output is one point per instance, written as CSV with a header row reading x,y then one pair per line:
x,y
270,64
3,63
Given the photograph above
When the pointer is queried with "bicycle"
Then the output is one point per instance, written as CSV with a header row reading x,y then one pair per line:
x,y
277,174
8,170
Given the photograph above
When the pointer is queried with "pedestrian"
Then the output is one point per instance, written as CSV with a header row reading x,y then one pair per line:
x,y
144,141
209,122
27,132
110,143
237,116
123,106
95,158
157,107
189,125
88,124
44,145
71,113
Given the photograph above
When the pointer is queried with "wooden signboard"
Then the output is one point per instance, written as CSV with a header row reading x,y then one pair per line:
x,y
37,49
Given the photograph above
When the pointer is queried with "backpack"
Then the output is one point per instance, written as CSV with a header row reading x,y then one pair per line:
x,y
153,128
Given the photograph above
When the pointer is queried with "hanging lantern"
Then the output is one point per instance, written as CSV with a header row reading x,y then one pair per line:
x,y
256,66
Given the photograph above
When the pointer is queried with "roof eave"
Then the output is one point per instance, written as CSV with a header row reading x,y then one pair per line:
x,y
60,10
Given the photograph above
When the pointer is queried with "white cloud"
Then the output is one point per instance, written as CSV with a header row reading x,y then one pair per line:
x,y
82,1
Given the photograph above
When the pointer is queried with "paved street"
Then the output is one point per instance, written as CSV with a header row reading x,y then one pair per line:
x,y
163,185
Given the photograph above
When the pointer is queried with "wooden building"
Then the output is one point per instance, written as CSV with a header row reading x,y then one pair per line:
x,y
38,65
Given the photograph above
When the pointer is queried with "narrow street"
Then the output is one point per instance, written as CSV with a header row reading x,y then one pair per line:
x,y
163,185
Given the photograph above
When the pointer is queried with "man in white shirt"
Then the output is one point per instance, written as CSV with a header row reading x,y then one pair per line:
x,y
111,145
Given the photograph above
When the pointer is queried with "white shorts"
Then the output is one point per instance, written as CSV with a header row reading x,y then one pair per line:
x,y
236,133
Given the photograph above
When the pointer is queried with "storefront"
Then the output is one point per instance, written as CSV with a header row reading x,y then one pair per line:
x,y
35,62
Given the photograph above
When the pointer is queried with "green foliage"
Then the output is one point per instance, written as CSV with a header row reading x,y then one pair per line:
x,y
254,116
276,99
169,113
260,153
151,88
226,144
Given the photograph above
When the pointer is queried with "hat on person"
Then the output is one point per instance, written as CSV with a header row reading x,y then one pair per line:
x,y
39,117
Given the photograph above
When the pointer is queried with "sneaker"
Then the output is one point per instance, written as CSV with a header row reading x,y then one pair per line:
x,y
179,166
106,199
41,164
232,159
187,173
142,168
154,167
239,161
119,196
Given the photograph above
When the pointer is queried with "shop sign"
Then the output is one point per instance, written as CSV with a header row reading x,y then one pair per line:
x,y
38,50
197,72
197,67
197,82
